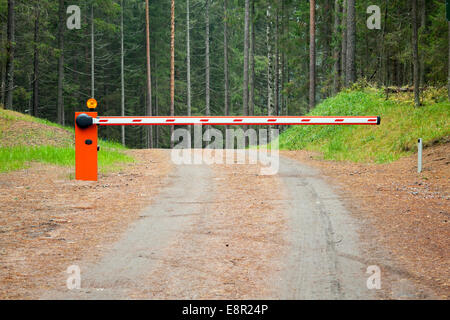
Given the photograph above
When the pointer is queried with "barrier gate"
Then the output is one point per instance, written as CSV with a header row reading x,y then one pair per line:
x,y
86,125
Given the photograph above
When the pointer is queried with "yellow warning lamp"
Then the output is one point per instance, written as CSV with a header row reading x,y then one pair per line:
x,y
91,103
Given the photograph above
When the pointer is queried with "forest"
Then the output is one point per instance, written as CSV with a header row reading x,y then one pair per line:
x,y
212,57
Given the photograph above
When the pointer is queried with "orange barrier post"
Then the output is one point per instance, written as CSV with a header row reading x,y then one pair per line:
x,y
86,143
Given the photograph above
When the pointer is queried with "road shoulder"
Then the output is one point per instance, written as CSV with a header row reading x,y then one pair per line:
x,y
49,221
404,218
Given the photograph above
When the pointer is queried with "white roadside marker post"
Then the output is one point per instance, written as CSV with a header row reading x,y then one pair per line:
x,y
419,156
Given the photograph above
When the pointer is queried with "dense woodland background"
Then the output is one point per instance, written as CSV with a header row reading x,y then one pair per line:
x,y
237,57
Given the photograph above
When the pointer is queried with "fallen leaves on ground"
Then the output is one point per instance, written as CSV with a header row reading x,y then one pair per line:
x,y
49,221
404,211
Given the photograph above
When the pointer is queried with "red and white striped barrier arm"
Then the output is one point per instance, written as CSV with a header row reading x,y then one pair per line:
x,y
123,121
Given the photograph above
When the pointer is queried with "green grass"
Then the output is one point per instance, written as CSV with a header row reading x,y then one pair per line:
x,y
112,145
15,158
16,116
401,126
110,157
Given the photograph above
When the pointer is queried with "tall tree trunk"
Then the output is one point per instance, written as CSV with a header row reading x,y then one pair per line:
x,y
395,69
35,107
327,32
251,95
3,66
156,103
415,49
149,75
207,88
246,49
85,82
61,26
283,57
269,64
288,74
351,42
423,24
336,54
277,65
365,63
344,43
92,54
207,67
225,59
312,54
188,58
172,66
188,61
448,76
384,51
10,47
122,73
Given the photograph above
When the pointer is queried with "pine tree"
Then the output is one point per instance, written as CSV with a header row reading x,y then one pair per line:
x,y
10,48
344,44
61,26
269,62
35,105
149,76
92,54
351,43
415,53
312,55
207,65
172,66
225,59
246,53
337,52
122,73
188,58
251,94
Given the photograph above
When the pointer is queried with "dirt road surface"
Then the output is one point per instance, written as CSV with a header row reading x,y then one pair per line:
x,y
142,246
323,239
226,232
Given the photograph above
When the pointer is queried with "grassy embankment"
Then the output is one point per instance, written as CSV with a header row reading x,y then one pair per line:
x,y
401,126
25,139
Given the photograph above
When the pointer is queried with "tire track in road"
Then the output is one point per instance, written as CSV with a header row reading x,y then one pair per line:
x,y
142,246
321,233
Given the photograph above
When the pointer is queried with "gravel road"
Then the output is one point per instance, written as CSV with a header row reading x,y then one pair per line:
x,y
141,247
321,258
324,260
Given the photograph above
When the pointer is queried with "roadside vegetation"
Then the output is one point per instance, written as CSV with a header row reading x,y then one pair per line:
x,y
401,125
25,139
